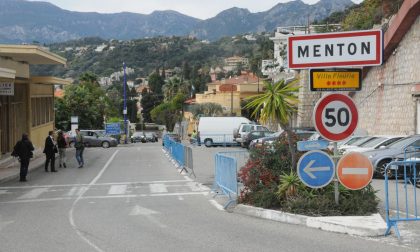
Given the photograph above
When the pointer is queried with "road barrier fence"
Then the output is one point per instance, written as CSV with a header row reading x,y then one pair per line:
x,y
180,153
401,193
226,173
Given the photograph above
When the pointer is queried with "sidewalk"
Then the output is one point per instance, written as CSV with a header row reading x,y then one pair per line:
x,y
10,166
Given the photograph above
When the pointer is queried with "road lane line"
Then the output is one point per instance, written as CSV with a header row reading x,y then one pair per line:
x,y
71,217
158,188
34,193
72,191
3,191
217,205
117,189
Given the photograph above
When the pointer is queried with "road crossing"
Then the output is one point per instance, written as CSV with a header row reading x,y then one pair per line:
x,y
176,188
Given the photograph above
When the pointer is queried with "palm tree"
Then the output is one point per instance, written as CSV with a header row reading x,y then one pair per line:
x,y
277,104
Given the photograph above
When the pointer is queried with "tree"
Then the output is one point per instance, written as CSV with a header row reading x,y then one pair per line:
x,y
148,102
168,113
155,83
277,104
207,109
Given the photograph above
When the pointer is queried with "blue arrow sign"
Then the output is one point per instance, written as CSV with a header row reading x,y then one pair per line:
x,y
316,169
312,145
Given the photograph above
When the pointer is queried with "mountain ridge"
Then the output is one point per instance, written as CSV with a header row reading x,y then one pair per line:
x,y
21,22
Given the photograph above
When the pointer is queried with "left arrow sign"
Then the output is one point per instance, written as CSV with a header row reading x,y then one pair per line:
x,y
309,169
316,169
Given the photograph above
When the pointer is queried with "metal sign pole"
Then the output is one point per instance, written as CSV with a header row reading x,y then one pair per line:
x,y
336,158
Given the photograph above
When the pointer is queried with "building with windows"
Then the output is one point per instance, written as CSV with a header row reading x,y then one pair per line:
x,y
26,102
232,63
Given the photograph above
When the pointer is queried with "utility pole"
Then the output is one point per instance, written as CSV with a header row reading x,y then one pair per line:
x,y
125,106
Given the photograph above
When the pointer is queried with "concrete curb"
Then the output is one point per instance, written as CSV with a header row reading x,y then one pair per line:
x,y
368,226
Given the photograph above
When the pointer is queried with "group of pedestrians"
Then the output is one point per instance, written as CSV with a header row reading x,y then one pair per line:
x,y
24,151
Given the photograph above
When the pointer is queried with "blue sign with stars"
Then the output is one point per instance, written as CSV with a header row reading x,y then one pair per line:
x,y
316,169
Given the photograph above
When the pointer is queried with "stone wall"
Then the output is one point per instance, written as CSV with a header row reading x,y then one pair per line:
x,y
307,101
387,104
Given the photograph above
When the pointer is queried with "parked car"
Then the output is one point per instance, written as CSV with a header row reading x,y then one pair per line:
x,y
302,135
93,138
218,130
138,137
412,156
255,135
150,137
348,147
380,142
380,158
244,128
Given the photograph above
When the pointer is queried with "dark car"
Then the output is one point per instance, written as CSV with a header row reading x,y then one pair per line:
x,y
138,137
150,137
255,135
407,164
302,135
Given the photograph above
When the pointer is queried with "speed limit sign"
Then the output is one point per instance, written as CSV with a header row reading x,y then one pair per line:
x,y
335,117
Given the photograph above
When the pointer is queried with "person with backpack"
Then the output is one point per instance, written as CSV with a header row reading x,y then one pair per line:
x,y
62,145
79,145
24,151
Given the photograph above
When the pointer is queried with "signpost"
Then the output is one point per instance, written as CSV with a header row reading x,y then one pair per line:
x,y
342,79
312,145
7,88
356,48
335,117
354,171
316,169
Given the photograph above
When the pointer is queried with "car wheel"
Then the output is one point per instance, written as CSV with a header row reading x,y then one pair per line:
x,y
381,168
208,143
105,144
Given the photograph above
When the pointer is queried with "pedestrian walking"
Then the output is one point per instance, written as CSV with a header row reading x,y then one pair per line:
x,y
79,145
24,151
62,145
50,149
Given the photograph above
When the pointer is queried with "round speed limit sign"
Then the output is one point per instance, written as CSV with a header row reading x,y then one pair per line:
x,y
335,117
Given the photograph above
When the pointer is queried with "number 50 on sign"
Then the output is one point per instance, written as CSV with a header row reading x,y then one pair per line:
x,y
335,117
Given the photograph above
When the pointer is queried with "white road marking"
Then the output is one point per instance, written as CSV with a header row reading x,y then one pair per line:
x,y
108,197
138,210
158,188
188,178
3,191
180,198
34,193
117,189
355,171
217,205
72,191
71,218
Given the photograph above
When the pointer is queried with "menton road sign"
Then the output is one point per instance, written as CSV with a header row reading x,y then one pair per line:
x,y
356,48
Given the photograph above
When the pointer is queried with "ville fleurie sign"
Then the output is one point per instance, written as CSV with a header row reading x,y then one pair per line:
x,y
341,49
342,79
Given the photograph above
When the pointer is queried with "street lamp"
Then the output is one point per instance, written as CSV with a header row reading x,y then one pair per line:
x,y
125,106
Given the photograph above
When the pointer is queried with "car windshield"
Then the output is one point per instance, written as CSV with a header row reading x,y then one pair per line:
x,y
403,142
359,141
148,134
352,140
374,142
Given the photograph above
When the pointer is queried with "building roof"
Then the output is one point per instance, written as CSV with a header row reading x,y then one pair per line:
x,y
31,54
49,80
237,80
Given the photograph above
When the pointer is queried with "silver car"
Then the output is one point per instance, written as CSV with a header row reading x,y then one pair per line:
x,y
382,157
94,138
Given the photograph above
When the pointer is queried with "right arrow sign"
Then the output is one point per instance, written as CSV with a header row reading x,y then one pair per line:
x,y
354,171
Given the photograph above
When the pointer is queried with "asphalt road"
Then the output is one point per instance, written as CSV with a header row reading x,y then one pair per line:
x,y
133,199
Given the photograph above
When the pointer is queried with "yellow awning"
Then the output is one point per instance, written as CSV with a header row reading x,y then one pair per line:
x,y
31,54
49,80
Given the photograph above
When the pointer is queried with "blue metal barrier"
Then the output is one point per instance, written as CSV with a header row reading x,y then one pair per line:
x,y
226,174
175,150
407,179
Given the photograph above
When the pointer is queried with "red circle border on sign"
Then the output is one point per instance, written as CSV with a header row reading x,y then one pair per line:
x,y
318,117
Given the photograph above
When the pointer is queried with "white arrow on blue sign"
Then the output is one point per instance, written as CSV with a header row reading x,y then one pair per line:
x,y
316,169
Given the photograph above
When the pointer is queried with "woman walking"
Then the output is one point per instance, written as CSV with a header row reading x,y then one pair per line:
x,y
62,145
23,149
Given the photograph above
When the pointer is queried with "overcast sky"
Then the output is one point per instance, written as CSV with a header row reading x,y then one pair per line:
x,y
202,9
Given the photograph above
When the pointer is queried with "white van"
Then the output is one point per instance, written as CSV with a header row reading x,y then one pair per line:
x,y
218,130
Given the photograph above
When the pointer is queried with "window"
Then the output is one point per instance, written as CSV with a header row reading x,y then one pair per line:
x,y
42,110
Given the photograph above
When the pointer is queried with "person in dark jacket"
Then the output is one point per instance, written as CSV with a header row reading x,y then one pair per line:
x,y
50,149
23,149
62,145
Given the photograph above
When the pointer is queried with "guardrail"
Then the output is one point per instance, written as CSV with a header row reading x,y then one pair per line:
x,y
407,179
226,173
180,153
